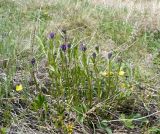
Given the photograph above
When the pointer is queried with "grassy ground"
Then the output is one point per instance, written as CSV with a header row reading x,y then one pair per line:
x,y
98,74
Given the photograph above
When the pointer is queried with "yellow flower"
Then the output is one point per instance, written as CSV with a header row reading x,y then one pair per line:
x,y
106,74
103,73
19,87
70,128
121,73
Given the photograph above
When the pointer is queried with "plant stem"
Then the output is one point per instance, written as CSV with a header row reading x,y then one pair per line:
x,y
109,78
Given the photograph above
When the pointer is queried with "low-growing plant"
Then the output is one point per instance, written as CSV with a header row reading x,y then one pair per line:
x,y
79,75
64,83
3,130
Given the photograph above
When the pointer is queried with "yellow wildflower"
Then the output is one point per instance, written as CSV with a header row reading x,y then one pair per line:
x,y
106,74
103,73
121,73
70,127
19,87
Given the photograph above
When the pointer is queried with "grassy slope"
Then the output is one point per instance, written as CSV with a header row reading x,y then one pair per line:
x,y
136,40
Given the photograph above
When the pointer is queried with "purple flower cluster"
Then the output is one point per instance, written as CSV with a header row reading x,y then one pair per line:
x,y
51,35
64,47
33,61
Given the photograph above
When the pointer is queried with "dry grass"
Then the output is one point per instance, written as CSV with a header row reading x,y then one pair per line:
x,y
148,10
140,5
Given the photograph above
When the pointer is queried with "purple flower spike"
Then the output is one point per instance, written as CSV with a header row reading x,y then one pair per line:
x,y
63,47
83,48
51,35
33,61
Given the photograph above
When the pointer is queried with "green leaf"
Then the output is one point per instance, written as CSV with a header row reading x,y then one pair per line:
x,y
84,108
40,42
39,102
154,130
104,126
108,130
3,130
126,122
